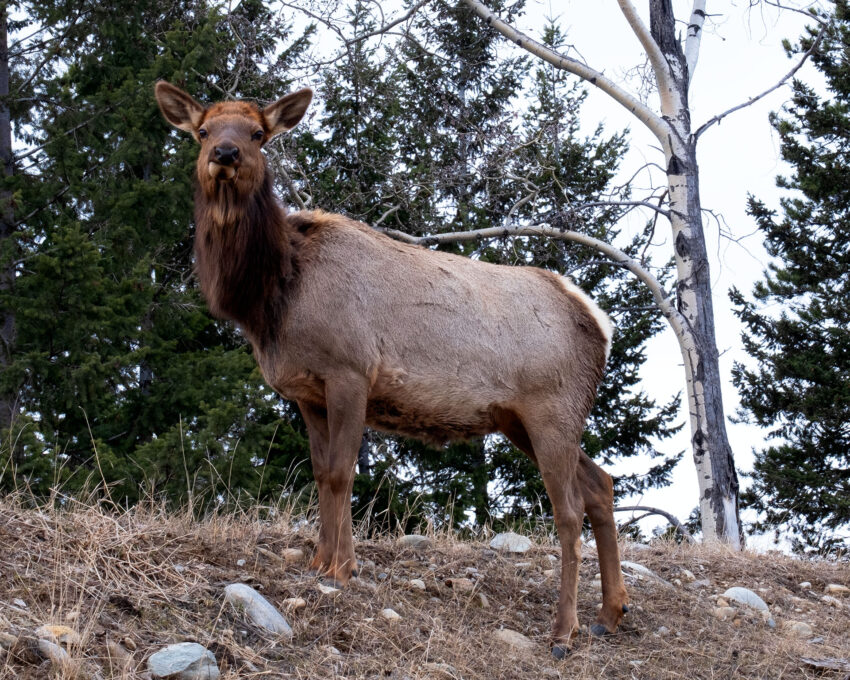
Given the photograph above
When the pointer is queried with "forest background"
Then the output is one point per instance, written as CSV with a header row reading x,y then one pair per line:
x,y
116,379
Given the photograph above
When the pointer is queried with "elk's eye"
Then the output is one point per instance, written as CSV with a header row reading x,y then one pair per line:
x,y
202,133
258,135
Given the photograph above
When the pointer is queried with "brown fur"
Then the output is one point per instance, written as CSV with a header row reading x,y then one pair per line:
x,y
358,328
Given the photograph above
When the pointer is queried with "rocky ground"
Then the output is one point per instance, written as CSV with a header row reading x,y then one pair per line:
x,y
85,593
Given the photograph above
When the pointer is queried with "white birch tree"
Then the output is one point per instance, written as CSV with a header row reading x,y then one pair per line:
x,y
688,308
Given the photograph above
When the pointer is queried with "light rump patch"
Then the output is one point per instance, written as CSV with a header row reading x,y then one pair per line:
x,y
602,319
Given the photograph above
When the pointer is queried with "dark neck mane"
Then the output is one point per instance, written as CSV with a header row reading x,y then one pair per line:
x,y
244,257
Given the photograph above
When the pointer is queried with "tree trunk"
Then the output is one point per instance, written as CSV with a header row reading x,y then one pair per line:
x,y
7,224
364,466
718,481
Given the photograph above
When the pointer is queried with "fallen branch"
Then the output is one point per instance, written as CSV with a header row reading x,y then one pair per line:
x,y
655,511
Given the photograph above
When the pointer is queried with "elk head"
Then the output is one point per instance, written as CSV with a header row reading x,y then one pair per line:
x,y
231,134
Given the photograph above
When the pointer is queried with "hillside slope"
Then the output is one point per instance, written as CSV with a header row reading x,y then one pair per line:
x,y
129,584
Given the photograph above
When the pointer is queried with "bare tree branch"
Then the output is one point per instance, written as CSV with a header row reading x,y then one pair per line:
x,y
641,111
655,511
812,49
656,58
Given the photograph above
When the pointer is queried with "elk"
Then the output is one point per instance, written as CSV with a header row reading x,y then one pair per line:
x,y
360,329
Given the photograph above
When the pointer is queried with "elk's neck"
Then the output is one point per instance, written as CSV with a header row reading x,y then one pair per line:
x,y
244,257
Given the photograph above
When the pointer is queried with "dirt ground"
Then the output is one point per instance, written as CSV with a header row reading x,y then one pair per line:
x,y
133,582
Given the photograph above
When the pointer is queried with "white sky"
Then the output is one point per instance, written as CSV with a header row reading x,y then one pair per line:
x,y
740,56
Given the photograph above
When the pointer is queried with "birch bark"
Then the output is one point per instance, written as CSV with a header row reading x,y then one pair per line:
x,y
693,320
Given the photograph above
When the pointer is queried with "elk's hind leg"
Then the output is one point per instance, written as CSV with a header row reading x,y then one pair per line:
x,y
553,445
597,492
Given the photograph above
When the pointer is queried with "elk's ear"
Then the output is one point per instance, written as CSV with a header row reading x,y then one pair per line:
x,y
285,113
179,108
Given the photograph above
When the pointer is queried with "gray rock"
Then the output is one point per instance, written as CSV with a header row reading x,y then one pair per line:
x,y
390,615
415,541
748,598
511,542
417,583
514,639
53,652
836,589
184,661
257,608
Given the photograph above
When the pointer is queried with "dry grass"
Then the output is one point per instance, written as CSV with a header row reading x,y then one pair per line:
x,y
149,578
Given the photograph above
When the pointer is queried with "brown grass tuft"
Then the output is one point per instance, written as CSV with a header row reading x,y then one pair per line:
x,y
132,582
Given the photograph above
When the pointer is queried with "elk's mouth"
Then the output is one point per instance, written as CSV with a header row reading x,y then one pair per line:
x,y
221,172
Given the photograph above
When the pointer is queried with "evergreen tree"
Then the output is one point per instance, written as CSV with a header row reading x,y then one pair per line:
x,y
121,372
800,384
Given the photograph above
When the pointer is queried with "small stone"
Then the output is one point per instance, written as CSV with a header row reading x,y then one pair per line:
x,y
700,583
523,565
184,661
58,634
470,571
53,652
664,630
514,639
725,613
327,590
832,601
179,568
722,602
129,643
240,563
415,541
294,604
746,597
799,629
18,602
549,573
117,654
482,600
688,575
804,585
7,640
292,555
417,584
72,615
677,582
333,651
460,585
257,608
510,542
390,615
836,589
551,558
382,576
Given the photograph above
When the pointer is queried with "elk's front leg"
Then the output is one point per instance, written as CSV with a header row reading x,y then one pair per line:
x,y
337,431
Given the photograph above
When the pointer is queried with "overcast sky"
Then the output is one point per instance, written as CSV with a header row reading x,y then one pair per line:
x,y
741,55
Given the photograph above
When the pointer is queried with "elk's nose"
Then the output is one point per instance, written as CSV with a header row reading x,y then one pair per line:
x,y
226,154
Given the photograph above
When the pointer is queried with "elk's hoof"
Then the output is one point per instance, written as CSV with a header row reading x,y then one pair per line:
x,y
354,573
599,630
625,609
560,652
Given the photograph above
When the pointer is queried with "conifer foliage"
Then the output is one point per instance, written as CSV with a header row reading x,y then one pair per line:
x,y
798,324
119,373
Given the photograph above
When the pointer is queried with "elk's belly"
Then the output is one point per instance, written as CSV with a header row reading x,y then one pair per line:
x,y
436,424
